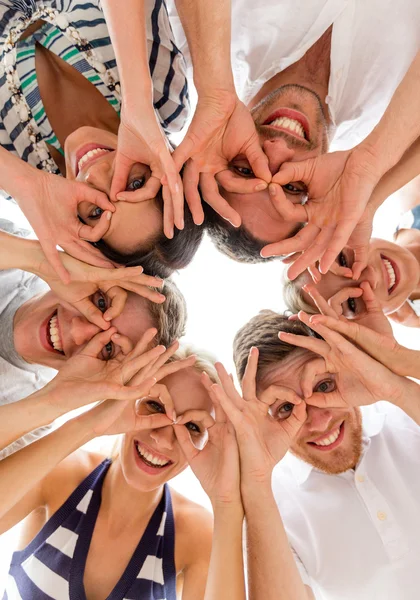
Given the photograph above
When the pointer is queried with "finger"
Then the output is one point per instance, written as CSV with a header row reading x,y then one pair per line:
x,y
125,344
202,416
87,253
319,301
163,358
249,386
361,255
285,207
143,343
314,273
312,254
336,302
147,192
295,171
239,185
161,392
135,364
118,298
191,178
96,344
233,413
95,233
174,367
122,170
96,197
183,152
184,440
309,343
174,184
92,313
228,385
277,392
53,257
337,242
291,258
211,195
142,290
371,302
310,371
258,160
168,213
156,421
333,339
340,271
297,243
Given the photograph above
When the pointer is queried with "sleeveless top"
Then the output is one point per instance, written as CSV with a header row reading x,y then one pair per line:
x,y
53,564
410,220
77,32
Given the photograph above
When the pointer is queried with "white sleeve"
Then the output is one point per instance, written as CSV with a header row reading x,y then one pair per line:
x,y
301,568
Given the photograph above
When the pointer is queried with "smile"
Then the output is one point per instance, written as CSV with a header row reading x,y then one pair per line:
x,y
290,121
89,154
54,335
331,440
149,460
392,273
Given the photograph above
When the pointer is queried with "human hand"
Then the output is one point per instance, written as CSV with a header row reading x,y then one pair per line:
x,y
221,130
51,207
216,465
340,185
87,283
265,425
142,140
356,378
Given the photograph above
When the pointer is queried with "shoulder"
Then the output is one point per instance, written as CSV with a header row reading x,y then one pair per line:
x,y
194,531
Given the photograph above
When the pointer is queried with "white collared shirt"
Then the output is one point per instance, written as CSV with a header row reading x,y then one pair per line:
x,y
373,44
356,536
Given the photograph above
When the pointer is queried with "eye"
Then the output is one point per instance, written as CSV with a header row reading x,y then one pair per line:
x,y
291,188
108,351
100,301
192,427
243,171
136,184
351,303
285,410
95,213
155,406
341,259
325,387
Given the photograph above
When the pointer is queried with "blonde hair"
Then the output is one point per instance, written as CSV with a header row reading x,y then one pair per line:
x,y
293,297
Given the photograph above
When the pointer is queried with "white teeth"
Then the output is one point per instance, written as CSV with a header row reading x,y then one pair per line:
x,y
291,124
390,271
55,334
327,441
154,460
90,155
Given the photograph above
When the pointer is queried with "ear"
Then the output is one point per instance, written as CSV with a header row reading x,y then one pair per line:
x,y
405,315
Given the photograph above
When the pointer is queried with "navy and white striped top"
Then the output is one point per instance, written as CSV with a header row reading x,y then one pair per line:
x,y
76,31
53,564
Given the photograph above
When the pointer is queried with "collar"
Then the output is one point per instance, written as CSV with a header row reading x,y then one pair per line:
x,y
373,420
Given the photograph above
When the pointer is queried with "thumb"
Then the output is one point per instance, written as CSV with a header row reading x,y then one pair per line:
x,y
95,233
296,171
120,176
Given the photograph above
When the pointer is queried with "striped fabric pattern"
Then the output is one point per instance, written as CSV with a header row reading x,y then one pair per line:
x,y
76,31
52,565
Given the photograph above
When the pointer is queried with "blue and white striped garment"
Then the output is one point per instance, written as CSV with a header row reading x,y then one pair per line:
x,y
77,32
53,564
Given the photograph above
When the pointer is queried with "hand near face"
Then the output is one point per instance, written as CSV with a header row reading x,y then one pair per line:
x,y
216,465
87,283
340,185
221,130
356,378
265,426
51,207
142,140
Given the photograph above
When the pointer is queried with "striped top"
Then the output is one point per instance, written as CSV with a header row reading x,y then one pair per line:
x,y
53,564
76,31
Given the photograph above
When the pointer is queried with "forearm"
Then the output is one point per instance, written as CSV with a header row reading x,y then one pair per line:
x,y
268,549
17,177
397,130
20,253
22,471
226,571
127,29
409,401
207,27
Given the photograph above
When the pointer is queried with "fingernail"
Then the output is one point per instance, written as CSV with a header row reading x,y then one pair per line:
x,y
108,215
116,335
272,190
260,187
108,318
181,224
177,188
162,297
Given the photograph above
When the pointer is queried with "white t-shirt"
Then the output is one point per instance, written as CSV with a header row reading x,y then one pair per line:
x,y
18,378
356,536
373,44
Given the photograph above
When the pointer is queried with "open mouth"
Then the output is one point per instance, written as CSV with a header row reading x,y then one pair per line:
x,y
392,273
330,441
54,335
88,154
149,460
290,121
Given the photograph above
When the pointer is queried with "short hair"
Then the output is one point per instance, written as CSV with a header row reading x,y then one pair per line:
x,y
262,331
293,297
205,361
170,317
236,242
161,256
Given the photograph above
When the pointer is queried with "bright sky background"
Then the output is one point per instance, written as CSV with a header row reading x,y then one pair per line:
x,y
221,296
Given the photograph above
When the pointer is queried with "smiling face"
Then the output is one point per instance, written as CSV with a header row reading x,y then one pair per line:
x,y
48,331
151,457
393,273
331,438
90,155
291,127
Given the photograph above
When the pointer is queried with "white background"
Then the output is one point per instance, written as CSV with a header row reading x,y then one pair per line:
x,y
221,296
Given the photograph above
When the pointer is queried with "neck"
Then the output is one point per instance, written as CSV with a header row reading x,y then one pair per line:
x,y
311,71
410,240
122,505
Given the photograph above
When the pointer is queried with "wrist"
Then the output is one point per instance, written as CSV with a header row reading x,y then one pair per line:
x,y
233,504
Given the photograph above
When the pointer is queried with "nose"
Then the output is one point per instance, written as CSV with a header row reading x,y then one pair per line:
x,y
99,175
82,330
277,153
371,275
164,437
318,419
